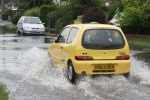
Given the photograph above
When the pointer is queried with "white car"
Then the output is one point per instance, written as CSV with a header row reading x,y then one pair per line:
x,y
30,25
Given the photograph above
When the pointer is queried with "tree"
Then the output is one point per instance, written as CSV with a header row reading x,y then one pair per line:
x,y
136,16
94,14
91,10
24,4
44,11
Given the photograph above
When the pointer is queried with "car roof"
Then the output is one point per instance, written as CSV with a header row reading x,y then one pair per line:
x,y
93,26
29,17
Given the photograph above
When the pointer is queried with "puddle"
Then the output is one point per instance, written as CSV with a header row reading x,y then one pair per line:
x,y
35,64
27,62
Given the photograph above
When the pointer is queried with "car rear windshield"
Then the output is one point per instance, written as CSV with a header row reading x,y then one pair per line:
x,y
32,20
103,39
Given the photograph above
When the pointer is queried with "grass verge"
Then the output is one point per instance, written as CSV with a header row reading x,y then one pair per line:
x,y
3,93
9,28
140,42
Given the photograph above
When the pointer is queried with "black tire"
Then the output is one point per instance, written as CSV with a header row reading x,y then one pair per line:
x,y
18,33
22,34
71,75
127,75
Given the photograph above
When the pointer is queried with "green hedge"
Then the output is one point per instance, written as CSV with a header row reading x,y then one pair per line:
x,y
44,10
32,12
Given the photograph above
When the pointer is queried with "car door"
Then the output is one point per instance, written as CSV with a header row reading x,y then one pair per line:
x,y
55,49
67,48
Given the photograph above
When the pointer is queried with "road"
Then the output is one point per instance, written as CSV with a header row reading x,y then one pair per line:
x,y
26,70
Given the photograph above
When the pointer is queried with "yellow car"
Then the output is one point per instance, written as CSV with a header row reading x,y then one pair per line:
x,y
91,49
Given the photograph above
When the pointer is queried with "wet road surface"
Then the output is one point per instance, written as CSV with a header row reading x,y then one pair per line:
x,y
26,70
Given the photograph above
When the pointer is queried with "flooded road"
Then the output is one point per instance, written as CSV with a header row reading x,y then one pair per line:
x,y
27,71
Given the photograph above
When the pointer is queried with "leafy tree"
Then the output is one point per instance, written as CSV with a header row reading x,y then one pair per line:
x,y
136,16
114,7
59,14
91,10
32,12
94,14
44,11
61,17
24,4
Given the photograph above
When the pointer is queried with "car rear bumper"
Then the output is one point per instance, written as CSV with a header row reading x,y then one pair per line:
x,y
102,67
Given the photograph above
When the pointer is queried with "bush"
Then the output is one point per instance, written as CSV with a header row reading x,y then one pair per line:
x,y
32,12
4,17
15,19
60,17
11,28
6,13
41,12
136,17
44,10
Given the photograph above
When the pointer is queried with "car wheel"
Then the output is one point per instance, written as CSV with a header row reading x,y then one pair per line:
x,y
22,34
71,75
127,75
18,33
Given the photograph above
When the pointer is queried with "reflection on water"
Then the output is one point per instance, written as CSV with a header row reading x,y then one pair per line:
x,y
49,39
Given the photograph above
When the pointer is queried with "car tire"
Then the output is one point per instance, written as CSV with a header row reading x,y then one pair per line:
x,y
18,33
71,75
127,75
22,33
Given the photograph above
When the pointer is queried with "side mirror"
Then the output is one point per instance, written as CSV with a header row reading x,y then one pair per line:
x,y
59,39
56,40
43,23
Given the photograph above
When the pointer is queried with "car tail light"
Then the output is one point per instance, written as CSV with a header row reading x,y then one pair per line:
x,y
123,57
83,58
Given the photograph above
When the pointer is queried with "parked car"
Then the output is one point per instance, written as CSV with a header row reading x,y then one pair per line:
x,y
91,49
30,25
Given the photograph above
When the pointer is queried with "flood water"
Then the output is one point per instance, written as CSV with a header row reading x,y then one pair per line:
x,y
27,71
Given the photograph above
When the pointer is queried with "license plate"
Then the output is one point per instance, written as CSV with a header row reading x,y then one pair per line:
x,y
36,30
104,67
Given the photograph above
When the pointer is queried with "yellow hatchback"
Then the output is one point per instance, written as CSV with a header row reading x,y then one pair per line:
x,y
91,49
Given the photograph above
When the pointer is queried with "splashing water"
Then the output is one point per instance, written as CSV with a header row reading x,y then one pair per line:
x,y
35,64
140,72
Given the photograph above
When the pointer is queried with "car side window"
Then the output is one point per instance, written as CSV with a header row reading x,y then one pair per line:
x,y
72,35
20,21
64,35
